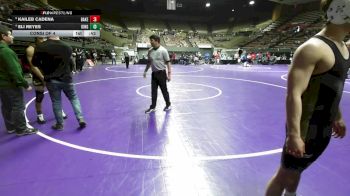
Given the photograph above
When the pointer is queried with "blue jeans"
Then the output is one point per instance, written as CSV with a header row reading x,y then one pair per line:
x,y
114,61
12,108
55,88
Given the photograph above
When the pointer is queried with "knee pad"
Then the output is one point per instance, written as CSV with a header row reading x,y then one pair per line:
x,y
39,96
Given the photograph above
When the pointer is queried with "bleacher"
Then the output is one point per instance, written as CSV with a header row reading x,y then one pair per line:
x,y
298,29
220,28
133,24
154,24
200,28
199,39
180,26
143,36
275,24
267,34
307,17
286,33
178,39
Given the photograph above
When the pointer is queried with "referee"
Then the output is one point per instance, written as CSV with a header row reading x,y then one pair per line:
x,y
158,59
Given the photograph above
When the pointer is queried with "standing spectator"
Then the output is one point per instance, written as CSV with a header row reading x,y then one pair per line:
x,y
173,58
253,55
38,80
206,58
12,83
80,60
127,59
53,57
136,59
94,56
114,61
103,57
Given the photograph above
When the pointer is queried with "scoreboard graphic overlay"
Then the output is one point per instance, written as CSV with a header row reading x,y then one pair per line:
x,y
69,23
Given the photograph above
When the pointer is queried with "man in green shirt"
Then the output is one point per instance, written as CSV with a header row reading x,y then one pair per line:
x,y
11,84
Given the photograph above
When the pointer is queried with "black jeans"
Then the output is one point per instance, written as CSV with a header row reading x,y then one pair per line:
x,y
12,108
159,78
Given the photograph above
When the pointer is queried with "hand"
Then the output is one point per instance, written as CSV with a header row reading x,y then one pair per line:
x,y
295,146
169,77
29,88
339,128
144,74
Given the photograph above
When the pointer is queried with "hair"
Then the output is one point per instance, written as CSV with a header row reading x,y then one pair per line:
x,y
324,5
155,38
39,38
4,30
54,37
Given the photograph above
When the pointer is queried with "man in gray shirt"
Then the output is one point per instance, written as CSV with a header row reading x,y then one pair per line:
x,y
158,59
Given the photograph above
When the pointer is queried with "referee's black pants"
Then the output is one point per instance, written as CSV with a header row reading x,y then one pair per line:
x,y
159,78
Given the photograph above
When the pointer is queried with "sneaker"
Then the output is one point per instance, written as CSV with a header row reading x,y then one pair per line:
x,y
167,108
150,110
82,123
64,115
27,131
57,126
11,131
40,119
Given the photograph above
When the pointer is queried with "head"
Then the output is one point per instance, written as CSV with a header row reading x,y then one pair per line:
x,y
5,35
155,41
337,11
54,37
39,40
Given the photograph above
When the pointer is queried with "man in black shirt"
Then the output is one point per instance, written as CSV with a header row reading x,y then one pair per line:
x,y
38,80
53,57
